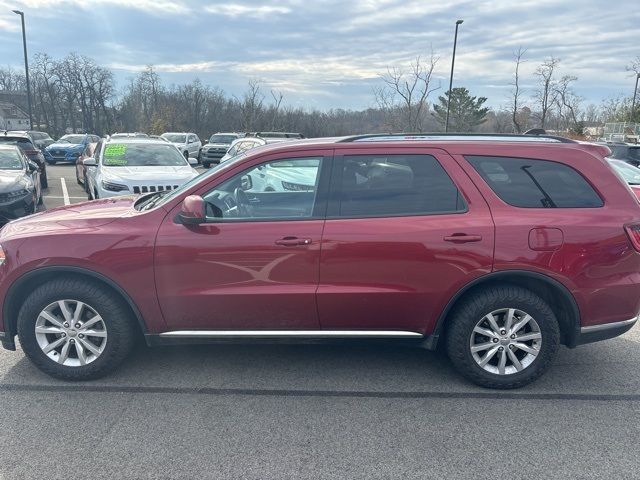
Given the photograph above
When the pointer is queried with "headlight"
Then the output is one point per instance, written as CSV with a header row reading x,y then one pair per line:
x,y
114,187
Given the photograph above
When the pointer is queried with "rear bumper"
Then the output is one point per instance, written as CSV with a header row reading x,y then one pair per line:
x,y
595,333
7,341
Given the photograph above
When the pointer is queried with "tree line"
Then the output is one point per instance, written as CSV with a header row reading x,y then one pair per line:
x,y
76,94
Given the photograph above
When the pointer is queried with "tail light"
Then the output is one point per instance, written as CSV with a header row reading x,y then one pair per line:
x,y
633,232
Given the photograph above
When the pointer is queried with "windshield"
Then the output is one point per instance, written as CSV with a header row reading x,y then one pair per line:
x,y
10,160
141,155
175,137
226,139
629,173
23,143
74,139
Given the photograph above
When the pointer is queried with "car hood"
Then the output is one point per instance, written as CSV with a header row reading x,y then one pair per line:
x,y
217,145
179,145
77,216
64,146
149,174
11,180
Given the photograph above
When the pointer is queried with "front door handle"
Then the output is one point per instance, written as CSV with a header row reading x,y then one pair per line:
x,y
293,241
462,238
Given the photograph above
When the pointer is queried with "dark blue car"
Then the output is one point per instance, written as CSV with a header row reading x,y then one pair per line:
x,y
68,148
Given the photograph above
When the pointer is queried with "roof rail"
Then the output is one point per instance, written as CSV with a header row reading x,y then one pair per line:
x,y
505,137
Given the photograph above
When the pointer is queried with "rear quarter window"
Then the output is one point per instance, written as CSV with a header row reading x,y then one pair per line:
x,y
532,183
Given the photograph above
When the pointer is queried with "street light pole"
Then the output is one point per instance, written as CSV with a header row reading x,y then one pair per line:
x,y
453,60
633,104
26,66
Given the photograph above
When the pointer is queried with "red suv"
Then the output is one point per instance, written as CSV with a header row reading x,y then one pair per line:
x,y
500,248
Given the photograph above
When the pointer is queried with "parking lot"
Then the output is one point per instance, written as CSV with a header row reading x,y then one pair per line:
x,y
318,411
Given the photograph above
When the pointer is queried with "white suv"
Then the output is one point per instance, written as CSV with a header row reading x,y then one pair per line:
x,y
188,143
123,166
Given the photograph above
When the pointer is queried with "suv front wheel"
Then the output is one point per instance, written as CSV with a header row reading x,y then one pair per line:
x,y
502,337
75,329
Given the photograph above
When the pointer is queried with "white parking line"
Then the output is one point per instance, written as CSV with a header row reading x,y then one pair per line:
x,y
65,193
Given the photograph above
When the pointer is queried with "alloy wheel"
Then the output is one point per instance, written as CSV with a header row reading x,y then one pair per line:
x,y
71,333
505,341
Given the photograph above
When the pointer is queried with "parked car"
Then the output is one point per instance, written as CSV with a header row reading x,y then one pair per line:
x,y
627,152
20,189
129,135
81,169
68,148
41,140
484,243
23,141
188,143
216,148
290,135
126,166
243,145
629,174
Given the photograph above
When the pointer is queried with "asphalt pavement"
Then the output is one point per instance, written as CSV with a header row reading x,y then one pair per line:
x,y
318,411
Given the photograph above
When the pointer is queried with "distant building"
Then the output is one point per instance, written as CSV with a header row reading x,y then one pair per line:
x,y
13,117
621,132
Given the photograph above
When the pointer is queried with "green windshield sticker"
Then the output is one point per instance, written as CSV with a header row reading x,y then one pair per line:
x,y
115,150
115,162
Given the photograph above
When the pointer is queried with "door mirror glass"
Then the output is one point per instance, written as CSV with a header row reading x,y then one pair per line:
x,y
192,211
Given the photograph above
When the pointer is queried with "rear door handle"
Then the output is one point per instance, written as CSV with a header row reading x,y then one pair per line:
x,y
462,238
293,241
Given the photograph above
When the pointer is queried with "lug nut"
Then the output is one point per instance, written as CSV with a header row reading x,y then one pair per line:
x,y
81,336
513,336
501,349
66,325
511,347
503,332
78,325
495,340
63,334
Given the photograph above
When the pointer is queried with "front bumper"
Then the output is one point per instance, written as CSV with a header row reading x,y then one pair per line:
x,y
17,208
604,331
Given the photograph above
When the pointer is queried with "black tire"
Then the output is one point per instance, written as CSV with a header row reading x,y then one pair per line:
x,y
86,184
44,181
206,164
472,309
51,162
112,309
40,198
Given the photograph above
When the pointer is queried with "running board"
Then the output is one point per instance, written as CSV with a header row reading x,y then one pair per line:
x,y
290,334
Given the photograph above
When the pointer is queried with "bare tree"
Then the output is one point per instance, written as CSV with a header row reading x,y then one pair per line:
x,y
568,103
251,105
516,93
545,94
275,108
404,95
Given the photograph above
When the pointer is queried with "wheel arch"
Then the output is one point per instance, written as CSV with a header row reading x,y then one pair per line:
x,y
558,296
21,288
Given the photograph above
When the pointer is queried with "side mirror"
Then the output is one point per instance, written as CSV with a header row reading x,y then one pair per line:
x,y
33,166
192,161
246,183
89,162
192,211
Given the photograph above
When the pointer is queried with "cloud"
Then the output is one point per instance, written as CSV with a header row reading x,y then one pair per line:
x,y
154,7
241,10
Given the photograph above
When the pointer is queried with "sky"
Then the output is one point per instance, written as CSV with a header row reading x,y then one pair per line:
x,y
329,53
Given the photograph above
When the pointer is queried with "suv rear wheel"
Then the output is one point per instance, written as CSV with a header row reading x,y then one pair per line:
x,y
75,330
502,337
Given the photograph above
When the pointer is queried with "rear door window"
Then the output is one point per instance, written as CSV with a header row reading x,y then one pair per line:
x,y
531,183
396,185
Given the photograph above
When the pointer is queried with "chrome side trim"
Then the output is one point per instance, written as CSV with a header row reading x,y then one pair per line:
x,y
291,334
607,326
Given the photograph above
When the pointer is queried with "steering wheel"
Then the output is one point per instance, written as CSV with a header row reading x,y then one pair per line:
x,y
242,202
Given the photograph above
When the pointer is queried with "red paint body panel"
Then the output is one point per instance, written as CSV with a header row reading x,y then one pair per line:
x,y
387,273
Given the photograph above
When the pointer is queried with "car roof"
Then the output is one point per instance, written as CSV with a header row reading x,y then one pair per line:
x,y
4,146
14,134
438,140
145,140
